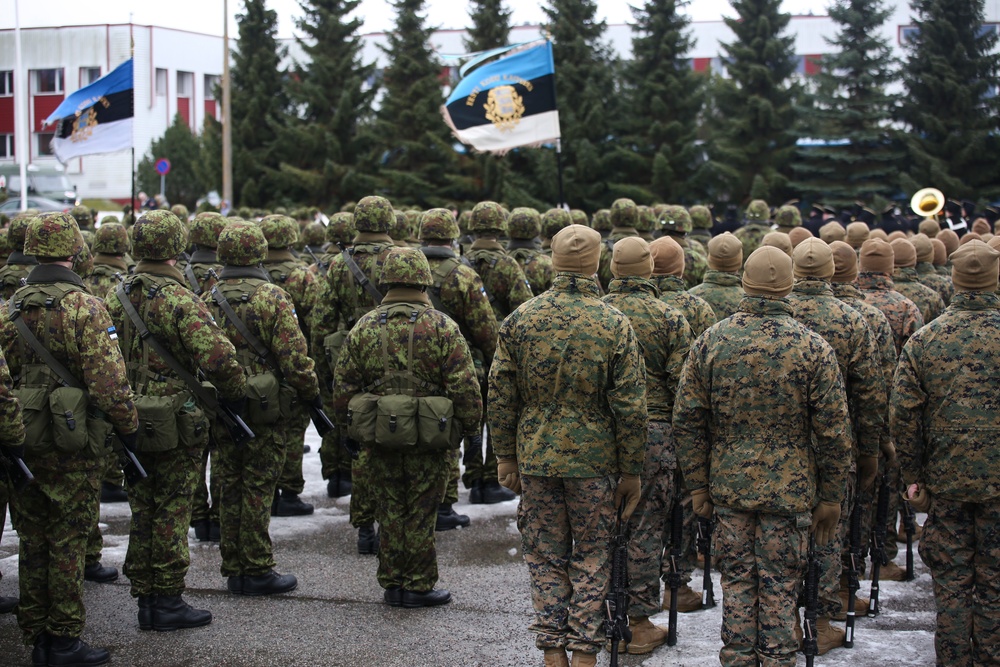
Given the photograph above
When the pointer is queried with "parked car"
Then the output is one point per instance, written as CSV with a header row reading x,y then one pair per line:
x,y
49,181
43,204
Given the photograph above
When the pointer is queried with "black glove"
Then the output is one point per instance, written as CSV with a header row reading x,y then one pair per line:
x,y
238,406
317,402
129,440
473,449
17,452
353,447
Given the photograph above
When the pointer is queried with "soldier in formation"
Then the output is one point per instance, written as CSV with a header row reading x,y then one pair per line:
x,y
721,284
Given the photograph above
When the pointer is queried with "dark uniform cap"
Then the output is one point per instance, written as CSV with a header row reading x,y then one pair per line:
x,y
488,216
112,239
17,229
602,220
53,235
438,224
524,223
624,213
158,235
701,217
788,216
280,231
205,229
676,220
82,216
314,234
181,211
341,228
554,220
646,219
374,214
406,266
242,244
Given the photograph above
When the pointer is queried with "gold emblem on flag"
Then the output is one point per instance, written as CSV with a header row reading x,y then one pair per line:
x,y
504,108
84,125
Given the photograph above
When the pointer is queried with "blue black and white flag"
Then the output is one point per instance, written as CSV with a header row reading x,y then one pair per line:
x,y
506,103
97,118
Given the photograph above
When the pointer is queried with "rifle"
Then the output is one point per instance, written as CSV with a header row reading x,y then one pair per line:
x,y
616,602
17,470
131,468
879,556
853,571
705,528
353,447
910,527
320,266
674,577
809,643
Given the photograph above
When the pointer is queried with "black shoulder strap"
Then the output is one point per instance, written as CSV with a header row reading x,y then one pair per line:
x,y
254,342
192,279
67,378
360,276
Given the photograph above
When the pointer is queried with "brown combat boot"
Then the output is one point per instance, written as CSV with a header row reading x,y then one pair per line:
x,y
581,659
645,636
556,657
687,600
892,572
828,637
860,603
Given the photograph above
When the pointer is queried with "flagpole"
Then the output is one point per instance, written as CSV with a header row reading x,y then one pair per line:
x,y
227,125
20,100
131,40
555,105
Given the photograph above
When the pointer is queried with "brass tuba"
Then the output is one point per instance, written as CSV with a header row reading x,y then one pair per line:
x,y
927,202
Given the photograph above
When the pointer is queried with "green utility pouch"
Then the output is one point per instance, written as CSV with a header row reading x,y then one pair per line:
x,y
68,406
192,425
157,423
99,431
332,345
362,411
396,422
37,418
437,427
263,399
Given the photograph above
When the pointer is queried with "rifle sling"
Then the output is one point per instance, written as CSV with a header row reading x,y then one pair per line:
x,y
360,276
254,342
192,279
57,367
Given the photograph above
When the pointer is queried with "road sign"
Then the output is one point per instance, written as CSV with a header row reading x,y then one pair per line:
x,y
163,166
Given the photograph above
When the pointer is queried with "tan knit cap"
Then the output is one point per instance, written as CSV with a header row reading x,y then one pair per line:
x,y
768,272
857,234
876,257
845,262
778,240
878,234
896,235
981,226
974,267
971,236
903,253
950,240
725,253
668,257
576,249
798,235
922,244
812,259
630,257
940,252
832,231
994,243
929,227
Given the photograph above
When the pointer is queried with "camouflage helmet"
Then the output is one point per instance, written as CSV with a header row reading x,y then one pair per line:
x,y
242,244
758,211
646,219
341,228
374,214
406,266
412,222
81,214
112,239
205,229
110,218
578,217
314,234
279,230
676,220
88,237
701,217
158,235
788,216
524,223
602,220
624,213
438,224
16,231
399,224
53,235
5,248
554,220
488,216
83,262
181,211
464,220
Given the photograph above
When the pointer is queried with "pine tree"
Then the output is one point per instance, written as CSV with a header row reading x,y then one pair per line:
x,y
951,100
851,112
756,140
179,145
208,168
259,103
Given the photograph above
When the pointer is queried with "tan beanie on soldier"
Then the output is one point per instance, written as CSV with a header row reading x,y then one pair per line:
x,y
798,235
974,268
857,234
845,262
832,231
668,257
725,253
576,249
768,272
925,250
940,252
631,257
950,240
904,255
876,257
929,227
813,259
778,240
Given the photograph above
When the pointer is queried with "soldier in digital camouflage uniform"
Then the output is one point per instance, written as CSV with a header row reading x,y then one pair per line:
x,y
343,300
757,223
181,211
675,222
664,338
787,218
944,417
906,282
426,355
568,409
157,559
83,217
761,405
701,224
18,264
5,248
815,306
55,515
523,228
204,237
668,267
11,437
313,238
721,286
624,218
925,268
111,244
553,220
413,216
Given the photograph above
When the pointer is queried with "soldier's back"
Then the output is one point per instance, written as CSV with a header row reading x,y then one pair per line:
x,y
722,291
696,311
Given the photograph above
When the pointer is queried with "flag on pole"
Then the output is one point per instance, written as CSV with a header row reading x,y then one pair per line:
x,y
506,103
96,118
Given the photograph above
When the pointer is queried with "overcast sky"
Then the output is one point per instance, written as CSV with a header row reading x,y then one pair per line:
x,y
206,15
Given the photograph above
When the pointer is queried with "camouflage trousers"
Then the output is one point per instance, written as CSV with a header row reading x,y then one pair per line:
x,y
479,466
410,486
53,518
248,476
291,479
333,458
651,521
961,546
831,557
363,496
157,559
4,493
762,560
565,526
95,541
206,495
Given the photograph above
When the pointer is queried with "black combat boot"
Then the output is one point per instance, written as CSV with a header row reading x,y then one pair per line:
x,y
269,583
7,605
100,574
72,652
112,493
431,598
289,504
201,529
493,493
368,540
171,612
40,653
339,484
476,492
214,530
274,503
146,604
449,519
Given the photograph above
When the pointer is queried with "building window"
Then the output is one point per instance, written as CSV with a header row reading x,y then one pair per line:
x,y
212,81
89,75
48,81
161,82
6,146
6,83
185,84
44,143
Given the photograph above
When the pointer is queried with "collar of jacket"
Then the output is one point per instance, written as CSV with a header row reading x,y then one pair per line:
x,y
155,268
117,261
875,281
670,284
576,282
372,237
53,273
724,278
280,255
846,291
487,244
18,257
438,252
766,305
975,301
237,272
905,275
405,295
633,285
514,244
203,256
924,268
812,286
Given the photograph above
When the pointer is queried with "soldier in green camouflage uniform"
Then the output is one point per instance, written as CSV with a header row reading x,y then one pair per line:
x,y
721,287
602,222
787,218
624,218
5,248
944,417
645,223
11,437
55,515
418,351
83,217
664,338
925,268
111,244
204,235
248,474
568,409
158,558
761,405
906,282
756,225
18,264
668,267
553,220
313,238
524,227
701,224
675,222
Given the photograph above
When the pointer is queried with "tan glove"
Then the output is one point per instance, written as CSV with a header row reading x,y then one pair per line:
x,y
629,489
508,476
889,452
825,517
867,472
701,503
919,498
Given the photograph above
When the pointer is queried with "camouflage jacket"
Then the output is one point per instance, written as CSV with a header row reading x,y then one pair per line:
x,y
607,247
696,311
751,235
903,315
504,281
298,282
722,290
537,266
877,324
695,261
441,356
945,402
183,324
11,426
459,294
761,414
568,387
664,339
13,272
196,272
928,301
937,282
102,280
847,332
